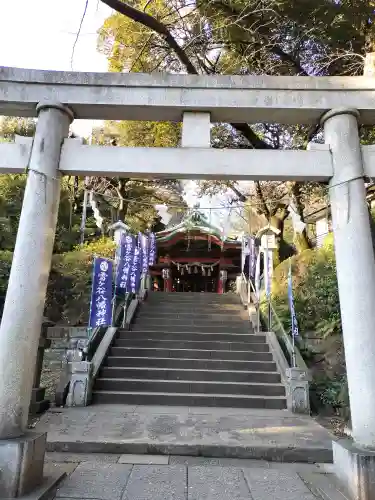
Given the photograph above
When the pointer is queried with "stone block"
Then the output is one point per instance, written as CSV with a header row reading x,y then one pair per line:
x,y
80,384
297,390
355,469
21,464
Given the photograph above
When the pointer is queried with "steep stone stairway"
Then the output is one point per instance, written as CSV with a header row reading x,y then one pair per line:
x,y
191,349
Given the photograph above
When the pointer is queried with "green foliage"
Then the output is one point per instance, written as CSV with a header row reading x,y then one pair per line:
x,y
68,297
315,291
5,265
103,247
12,125
317,307
331,393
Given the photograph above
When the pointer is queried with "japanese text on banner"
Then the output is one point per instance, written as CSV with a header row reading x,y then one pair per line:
x,y
152,250
101,293
136,270
125,262
144,243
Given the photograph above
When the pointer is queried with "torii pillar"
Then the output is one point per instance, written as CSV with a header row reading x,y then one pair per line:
x,y
22,452
355,461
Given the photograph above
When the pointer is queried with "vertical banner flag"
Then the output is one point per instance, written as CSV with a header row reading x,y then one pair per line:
x,y
125,262
295,332
268,271
101,293
257,276
252,258
245,251
144,243
136,270
152,250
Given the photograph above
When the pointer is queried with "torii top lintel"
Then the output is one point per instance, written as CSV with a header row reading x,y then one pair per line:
x,y
165,97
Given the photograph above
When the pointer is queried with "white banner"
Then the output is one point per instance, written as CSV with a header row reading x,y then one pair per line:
x,y
268,270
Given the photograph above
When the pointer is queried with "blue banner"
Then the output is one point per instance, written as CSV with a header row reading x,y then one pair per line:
x,y
101,293
295,331
152,250
135,270
144,244
125,262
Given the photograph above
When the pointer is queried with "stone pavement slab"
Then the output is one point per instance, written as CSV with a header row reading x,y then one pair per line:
x,y
276,485
96,480
156,483
212,432
217,483
103,481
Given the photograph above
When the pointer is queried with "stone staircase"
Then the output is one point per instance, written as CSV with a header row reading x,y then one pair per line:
x,y
190,349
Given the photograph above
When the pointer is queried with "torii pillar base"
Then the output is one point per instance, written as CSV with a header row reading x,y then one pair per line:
x,y
355,468
21,467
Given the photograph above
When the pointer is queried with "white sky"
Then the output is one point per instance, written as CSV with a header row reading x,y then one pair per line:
x,y
40,34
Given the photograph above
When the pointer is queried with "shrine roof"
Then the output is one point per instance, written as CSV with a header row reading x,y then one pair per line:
x,y
194,222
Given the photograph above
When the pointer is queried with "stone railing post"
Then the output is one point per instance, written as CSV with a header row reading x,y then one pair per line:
x,y
21,452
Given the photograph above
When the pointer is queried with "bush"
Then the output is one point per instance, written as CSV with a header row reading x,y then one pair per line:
x,y
69,285
317,308
69,289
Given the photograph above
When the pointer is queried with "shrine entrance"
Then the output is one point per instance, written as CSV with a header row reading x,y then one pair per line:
x,y
195,279
197,101
195,256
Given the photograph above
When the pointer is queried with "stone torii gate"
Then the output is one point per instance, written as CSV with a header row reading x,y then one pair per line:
x,y
339,104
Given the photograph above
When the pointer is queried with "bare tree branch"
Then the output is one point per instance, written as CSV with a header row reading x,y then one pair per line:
x,y
262,201
152,23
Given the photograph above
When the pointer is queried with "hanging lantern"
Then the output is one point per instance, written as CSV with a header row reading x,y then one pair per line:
x,y
189,270
166,274
223,274
209,272
182,271
195,270
178,267
203,271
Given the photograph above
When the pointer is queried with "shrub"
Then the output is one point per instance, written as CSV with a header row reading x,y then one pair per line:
x,y
317,308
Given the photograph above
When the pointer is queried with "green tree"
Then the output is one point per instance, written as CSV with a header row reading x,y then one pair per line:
x,y
277,37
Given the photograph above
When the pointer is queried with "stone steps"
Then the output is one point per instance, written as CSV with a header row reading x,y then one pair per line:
x,y
189,328
157,352
208,400
188,374
194,364
190,336
191,320
188,386
192,345
190,350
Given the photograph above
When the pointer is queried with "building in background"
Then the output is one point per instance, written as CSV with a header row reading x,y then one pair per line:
x,y
195,256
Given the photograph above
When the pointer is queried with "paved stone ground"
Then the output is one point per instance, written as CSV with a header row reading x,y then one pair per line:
x,y
147,477
214,432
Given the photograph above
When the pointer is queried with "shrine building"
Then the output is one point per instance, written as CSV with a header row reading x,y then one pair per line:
x,y
195,256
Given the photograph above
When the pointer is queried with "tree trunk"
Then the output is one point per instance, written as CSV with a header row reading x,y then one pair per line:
x,y
283,250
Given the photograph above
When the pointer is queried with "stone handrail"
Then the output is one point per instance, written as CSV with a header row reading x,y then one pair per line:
x,y
83,373
294,372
